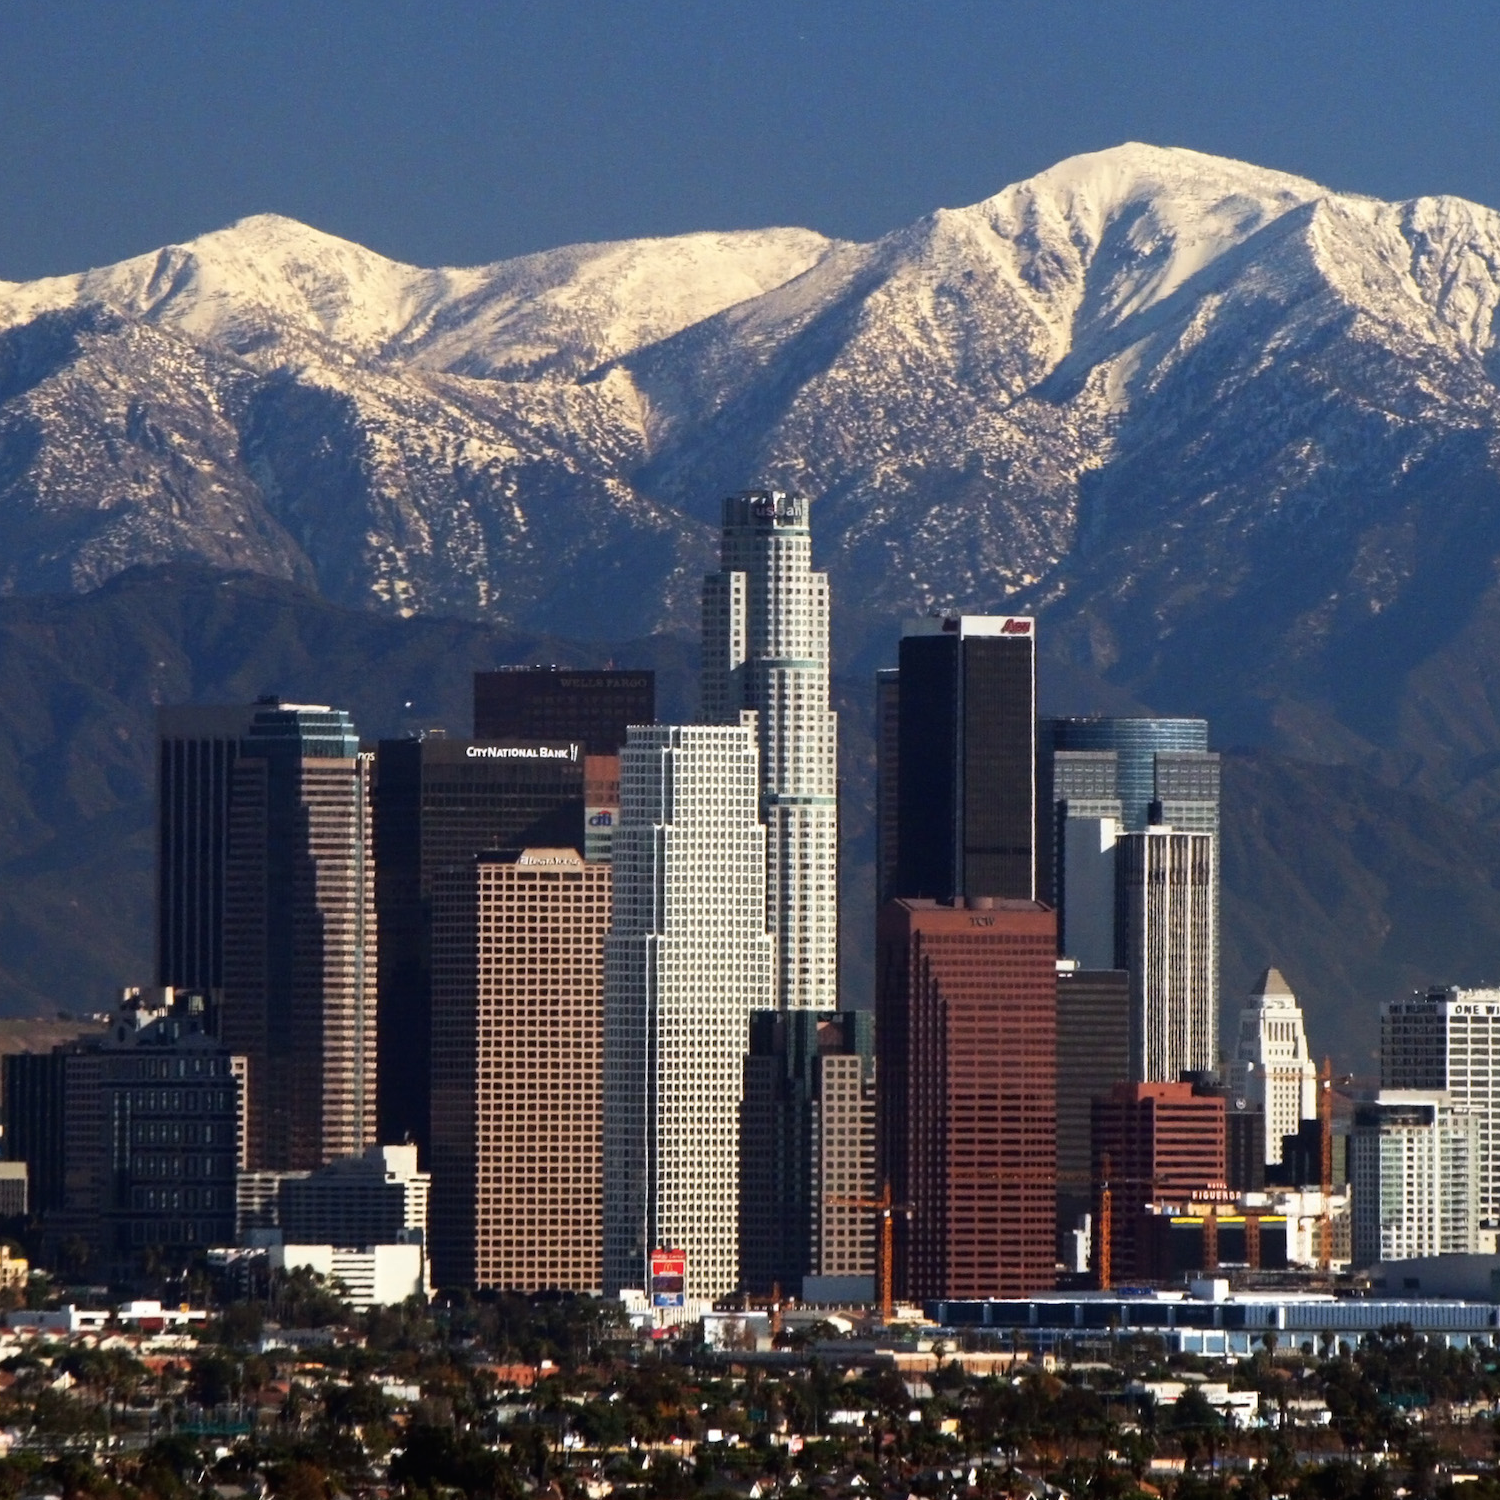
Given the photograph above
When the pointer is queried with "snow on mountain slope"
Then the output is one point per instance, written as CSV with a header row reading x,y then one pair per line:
x,y
565,312
266,282
1219,423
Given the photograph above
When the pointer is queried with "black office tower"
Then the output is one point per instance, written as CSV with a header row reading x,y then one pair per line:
x,y
196,752
1093,1055
966,773
437,803
555,703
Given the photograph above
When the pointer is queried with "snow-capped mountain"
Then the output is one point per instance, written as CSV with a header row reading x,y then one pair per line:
x,y
1236,436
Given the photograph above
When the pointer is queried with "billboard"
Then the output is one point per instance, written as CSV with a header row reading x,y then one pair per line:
x,y
599,831
668,1278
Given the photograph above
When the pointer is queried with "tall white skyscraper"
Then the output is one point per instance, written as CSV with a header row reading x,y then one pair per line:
x,y
1166,939
765,649
1412,1160
687,959
1450,1039
1272,1069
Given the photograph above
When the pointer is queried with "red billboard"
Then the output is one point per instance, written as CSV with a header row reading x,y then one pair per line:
x,y
668,1278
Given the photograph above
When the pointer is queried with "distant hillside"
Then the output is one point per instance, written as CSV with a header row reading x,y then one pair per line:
x,y
80,678
1356,891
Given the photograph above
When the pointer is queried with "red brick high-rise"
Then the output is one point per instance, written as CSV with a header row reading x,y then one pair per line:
x,y
1163,1140
966,1022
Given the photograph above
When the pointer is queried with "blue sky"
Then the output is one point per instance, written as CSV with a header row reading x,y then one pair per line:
x,y
461,132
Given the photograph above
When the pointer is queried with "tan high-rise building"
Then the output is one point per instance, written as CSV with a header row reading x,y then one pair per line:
x,y
299,936
517,1034
844,1234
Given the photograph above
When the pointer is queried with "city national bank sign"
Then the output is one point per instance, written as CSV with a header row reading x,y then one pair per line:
x,y
522,752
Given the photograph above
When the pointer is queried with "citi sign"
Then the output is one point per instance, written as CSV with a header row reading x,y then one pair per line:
x,y
602,817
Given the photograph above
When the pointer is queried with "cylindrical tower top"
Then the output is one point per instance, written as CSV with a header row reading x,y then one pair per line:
x,y
765,510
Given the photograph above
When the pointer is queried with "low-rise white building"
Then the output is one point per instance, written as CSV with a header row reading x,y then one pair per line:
x,y
376,1198
374,1276
65,1319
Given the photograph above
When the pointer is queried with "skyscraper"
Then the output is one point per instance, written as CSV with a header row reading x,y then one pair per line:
x,y
1414,1179
966,772
1272,1069
299,936
171,1113
1093,1055
966,1020
687,960
844,1171
1166,940
807,1141
196,752
518,955
1449,1040
765,649
589,707
437,803
593,706
1099,777
887,781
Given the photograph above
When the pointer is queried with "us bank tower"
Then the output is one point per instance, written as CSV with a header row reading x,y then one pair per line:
x,y
765,649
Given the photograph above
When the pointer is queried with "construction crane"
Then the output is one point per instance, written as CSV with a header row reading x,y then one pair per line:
x,y
887,1211
1325,1141
1103,1269
1102,1182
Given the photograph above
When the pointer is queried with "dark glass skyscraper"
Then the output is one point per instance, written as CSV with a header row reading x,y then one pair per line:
x,y
594,707
1147,769
439,802
299,935
965,750
196,752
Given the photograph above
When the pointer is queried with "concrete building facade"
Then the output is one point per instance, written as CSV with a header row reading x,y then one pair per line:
x,y
171,1105
1166,939
687,960
518,1015
1414,1179
765,651
1272,1069
1449,1039
376,1198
